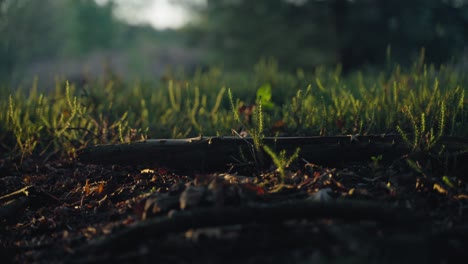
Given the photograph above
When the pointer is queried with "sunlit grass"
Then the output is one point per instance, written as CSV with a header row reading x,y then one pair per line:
x,y
322,102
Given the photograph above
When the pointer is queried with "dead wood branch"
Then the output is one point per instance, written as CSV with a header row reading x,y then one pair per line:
x,y
216,153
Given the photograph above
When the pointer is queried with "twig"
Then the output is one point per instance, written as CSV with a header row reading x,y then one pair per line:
x,y
21,192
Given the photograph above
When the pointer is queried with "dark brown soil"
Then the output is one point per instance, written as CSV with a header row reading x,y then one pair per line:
x,y
363,213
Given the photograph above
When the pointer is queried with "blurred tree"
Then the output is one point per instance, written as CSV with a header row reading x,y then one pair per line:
x,y
32,30
304,33
407,26
241,32
94,26
22,23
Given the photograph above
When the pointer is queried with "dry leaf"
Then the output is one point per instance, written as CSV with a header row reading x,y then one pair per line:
x,y
100,187
86,188
461,196
147,171
440,189
254,188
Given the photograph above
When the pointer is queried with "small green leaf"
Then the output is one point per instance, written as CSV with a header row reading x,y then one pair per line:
x,y
264,92
448,182
264,96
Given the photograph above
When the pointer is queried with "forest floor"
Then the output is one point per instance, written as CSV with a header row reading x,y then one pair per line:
x,y
69,212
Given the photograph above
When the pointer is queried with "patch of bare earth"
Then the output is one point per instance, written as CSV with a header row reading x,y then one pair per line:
x,y
68,212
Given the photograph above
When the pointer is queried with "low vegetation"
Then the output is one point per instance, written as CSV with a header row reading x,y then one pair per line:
x,y
425,101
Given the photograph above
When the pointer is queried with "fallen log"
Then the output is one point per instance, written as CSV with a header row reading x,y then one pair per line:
x,y
218,153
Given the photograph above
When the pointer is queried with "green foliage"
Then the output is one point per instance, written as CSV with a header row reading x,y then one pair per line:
x,y
422,104
424,138
57,123
255,132
281,161
264,97
376,162
448,182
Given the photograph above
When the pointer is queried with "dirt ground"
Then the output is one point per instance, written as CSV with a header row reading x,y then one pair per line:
x,y
69,212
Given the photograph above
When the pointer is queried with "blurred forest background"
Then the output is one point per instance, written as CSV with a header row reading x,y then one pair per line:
x,y
86,39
